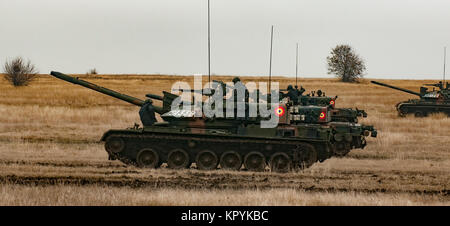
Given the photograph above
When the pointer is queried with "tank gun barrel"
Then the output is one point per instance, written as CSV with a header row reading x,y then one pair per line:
x,y
154,96
206,92
224,85
124,97
397,88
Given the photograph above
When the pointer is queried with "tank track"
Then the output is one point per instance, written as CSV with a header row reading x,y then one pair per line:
x,y
139,148
420,110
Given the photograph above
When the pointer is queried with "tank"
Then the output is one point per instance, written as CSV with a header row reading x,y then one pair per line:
x,y
337,114
436,101
303,136
341,119
319,98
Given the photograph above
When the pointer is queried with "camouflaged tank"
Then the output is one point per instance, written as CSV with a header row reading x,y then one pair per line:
x,y
337,114
304,135
436,101
344,120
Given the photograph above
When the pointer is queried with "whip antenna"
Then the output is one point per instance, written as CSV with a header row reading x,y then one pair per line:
x,y
296,65
270,62
445,53
209,50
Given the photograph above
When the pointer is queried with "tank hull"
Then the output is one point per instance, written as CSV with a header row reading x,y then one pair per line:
x,y
307,144
421,109
164,142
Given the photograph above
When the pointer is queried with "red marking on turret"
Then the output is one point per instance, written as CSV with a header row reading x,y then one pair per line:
x,y
279,111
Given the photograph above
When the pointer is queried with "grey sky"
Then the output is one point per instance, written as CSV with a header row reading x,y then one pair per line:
x,y
397,38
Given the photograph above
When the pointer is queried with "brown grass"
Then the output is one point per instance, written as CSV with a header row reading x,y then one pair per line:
x,y
100,195
50,154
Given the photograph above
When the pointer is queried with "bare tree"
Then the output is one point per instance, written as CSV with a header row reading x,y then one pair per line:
x,y
345,63
92,72
19,73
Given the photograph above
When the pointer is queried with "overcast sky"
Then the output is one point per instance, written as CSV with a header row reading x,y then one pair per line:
x,y
397,38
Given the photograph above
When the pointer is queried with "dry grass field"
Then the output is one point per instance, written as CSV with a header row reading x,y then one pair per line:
x,y
50,152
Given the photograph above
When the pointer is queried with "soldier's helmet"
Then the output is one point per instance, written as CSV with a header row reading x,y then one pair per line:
x,y
236,79
319,92
290,87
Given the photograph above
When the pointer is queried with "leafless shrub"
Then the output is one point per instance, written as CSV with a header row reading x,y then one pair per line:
x,y
19,73
92,72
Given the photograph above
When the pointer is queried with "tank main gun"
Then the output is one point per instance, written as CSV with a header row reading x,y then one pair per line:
x,y
397,88
205,92
106,91
154,96
166,99
223,84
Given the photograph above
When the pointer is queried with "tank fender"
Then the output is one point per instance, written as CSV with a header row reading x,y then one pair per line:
x,y
128,131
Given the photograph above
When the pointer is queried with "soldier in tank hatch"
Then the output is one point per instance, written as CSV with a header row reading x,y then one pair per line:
x,y
238,85
240,96
319,93
292,94
147,113
299,91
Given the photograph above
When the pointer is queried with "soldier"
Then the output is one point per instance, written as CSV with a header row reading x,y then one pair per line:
x,y
319,93
239,100
147,113
292,94
238,85
299,91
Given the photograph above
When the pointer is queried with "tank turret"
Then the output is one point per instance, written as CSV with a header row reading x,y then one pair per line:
x,y
166,99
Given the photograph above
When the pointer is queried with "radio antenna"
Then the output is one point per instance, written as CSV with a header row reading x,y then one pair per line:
x,y
270,62
445,53
296,65
209,50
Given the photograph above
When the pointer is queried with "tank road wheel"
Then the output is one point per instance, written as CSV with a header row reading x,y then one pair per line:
x,y
114,144
206,160
418,114
148,158
230,160
178,159
341,152
255,161
340,149
308,156
280,162
401,113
